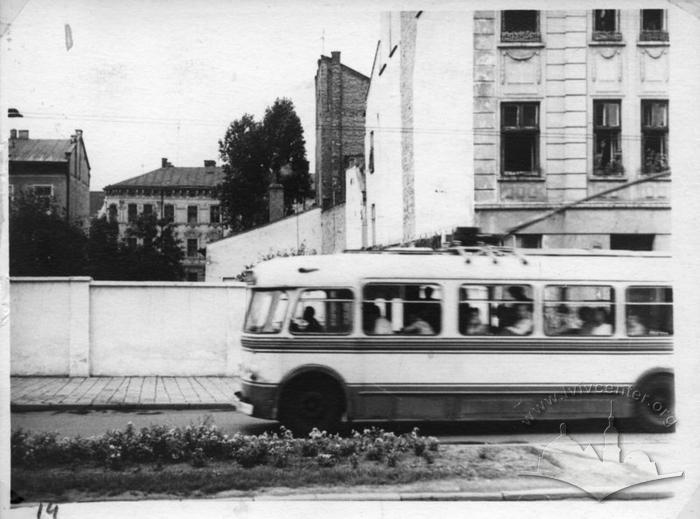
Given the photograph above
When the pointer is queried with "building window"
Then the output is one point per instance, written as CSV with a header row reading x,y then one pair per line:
x,y
191,214
112,212
606,25
632,241
653,25
11,188
528,241
520,26
131,242
214,214
147,209
42,192
132,213
654,136
371,152
192,246
169,213
607,155
192,275
520,139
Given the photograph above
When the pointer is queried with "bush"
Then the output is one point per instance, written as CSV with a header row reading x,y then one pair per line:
x,y
198,444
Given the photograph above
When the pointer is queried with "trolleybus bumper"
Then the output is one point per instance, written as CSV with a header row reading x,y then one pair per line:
x,y
243,407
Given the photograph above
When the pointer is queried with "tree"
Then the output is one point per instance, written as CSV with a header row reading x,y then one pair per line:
x,y
255,155
285,144
243,193
157,258
42,241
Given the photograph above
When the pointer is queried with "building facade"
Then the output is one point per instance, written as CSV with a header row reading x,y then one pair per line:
x,y
341,94
490,118
56,170
185,196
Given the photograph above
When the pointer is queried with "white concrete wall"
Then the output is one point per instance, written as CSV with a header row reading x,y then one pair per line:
x,y
384,184
442,115
229,257
354,208
79,327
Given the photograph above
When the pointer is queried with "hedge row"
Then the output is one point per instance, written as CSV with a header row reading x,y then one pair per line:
x,y
197,444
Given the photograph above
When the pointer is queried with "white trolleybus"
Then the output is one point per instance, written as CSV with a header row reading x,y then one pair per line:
x,y
459,334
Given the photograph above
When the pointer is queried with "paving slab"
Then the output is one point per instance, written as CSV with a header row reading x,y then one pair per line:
x,y
152,392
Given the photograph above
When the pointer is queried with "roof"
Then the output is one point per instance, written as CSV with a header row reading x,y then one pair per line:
x,y
40,150
349,268
344,67
174,177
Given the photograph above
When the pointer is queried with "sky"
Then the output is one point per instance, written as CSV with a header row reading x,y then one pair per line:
x,y
146,79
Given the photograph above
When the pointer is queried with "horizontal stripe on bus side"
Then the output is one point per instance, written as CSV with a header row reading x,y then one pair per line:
x,y
458,347
573,389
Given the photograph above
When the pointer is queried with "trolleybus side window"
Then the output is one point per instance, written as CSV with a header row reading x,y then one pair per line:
x,y
409,308
327,311
649,311
579,310
495,309
267,311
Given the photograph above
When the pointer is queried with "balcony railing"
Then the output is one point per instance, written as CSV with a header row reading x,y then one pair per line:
x,y
607,36
657,35
521,36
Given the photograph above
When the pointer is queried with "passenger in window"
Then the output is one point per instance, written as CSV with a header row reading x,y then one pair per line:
x,y
375,322
474,324
313,326
523,321
635,326
600,324
418,326
431,310
585,315
559,320
518,293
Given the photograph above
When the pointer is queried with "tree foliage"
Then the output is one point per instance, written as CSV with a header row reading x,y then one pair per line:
x,y
42,241
255,154
156,255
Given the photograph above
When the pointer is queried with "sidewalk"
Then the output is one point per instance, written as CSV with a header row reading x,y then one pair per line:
x,y
49,393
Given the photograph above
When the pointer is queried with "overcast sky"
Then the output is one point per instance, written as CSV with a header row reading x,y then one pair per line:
x,y
150,79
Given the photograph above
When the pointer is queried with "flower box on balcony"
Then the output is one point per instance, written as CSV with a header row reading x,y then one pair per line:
x,y
607,36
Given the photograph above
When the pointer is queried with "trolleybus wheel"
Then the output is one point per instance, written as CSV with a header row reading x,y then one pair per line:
x,y
311,401
656,407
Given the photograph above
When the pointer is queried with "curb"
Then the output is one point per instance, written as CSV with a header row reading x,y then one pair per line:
x,y
553,494
25,408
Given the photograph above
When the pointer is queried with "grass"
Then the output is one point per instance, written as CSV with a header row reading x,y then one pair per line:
x,y
466,463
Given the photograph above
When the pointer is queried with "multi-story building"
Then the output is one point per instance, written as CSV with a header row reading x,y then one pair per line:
x,y
57,170
185,196
505,115
341,94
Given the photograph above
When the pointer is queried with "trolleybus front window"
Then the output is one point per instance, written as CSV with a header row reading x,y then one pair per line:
x,y
267,311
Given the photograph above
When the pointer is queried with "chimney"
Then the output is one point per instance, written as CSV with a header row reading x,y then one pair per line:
x,y
24,134
13,134
335,56
276,201
164,163
209,166
79,134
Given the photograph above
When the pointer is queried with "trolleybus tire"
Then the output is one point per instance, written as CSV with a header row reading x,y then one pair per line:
x,y
311,401
656,407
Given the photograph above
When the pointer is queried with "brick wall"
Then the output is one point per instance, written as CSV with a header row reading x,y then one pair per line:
x,y
341,95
